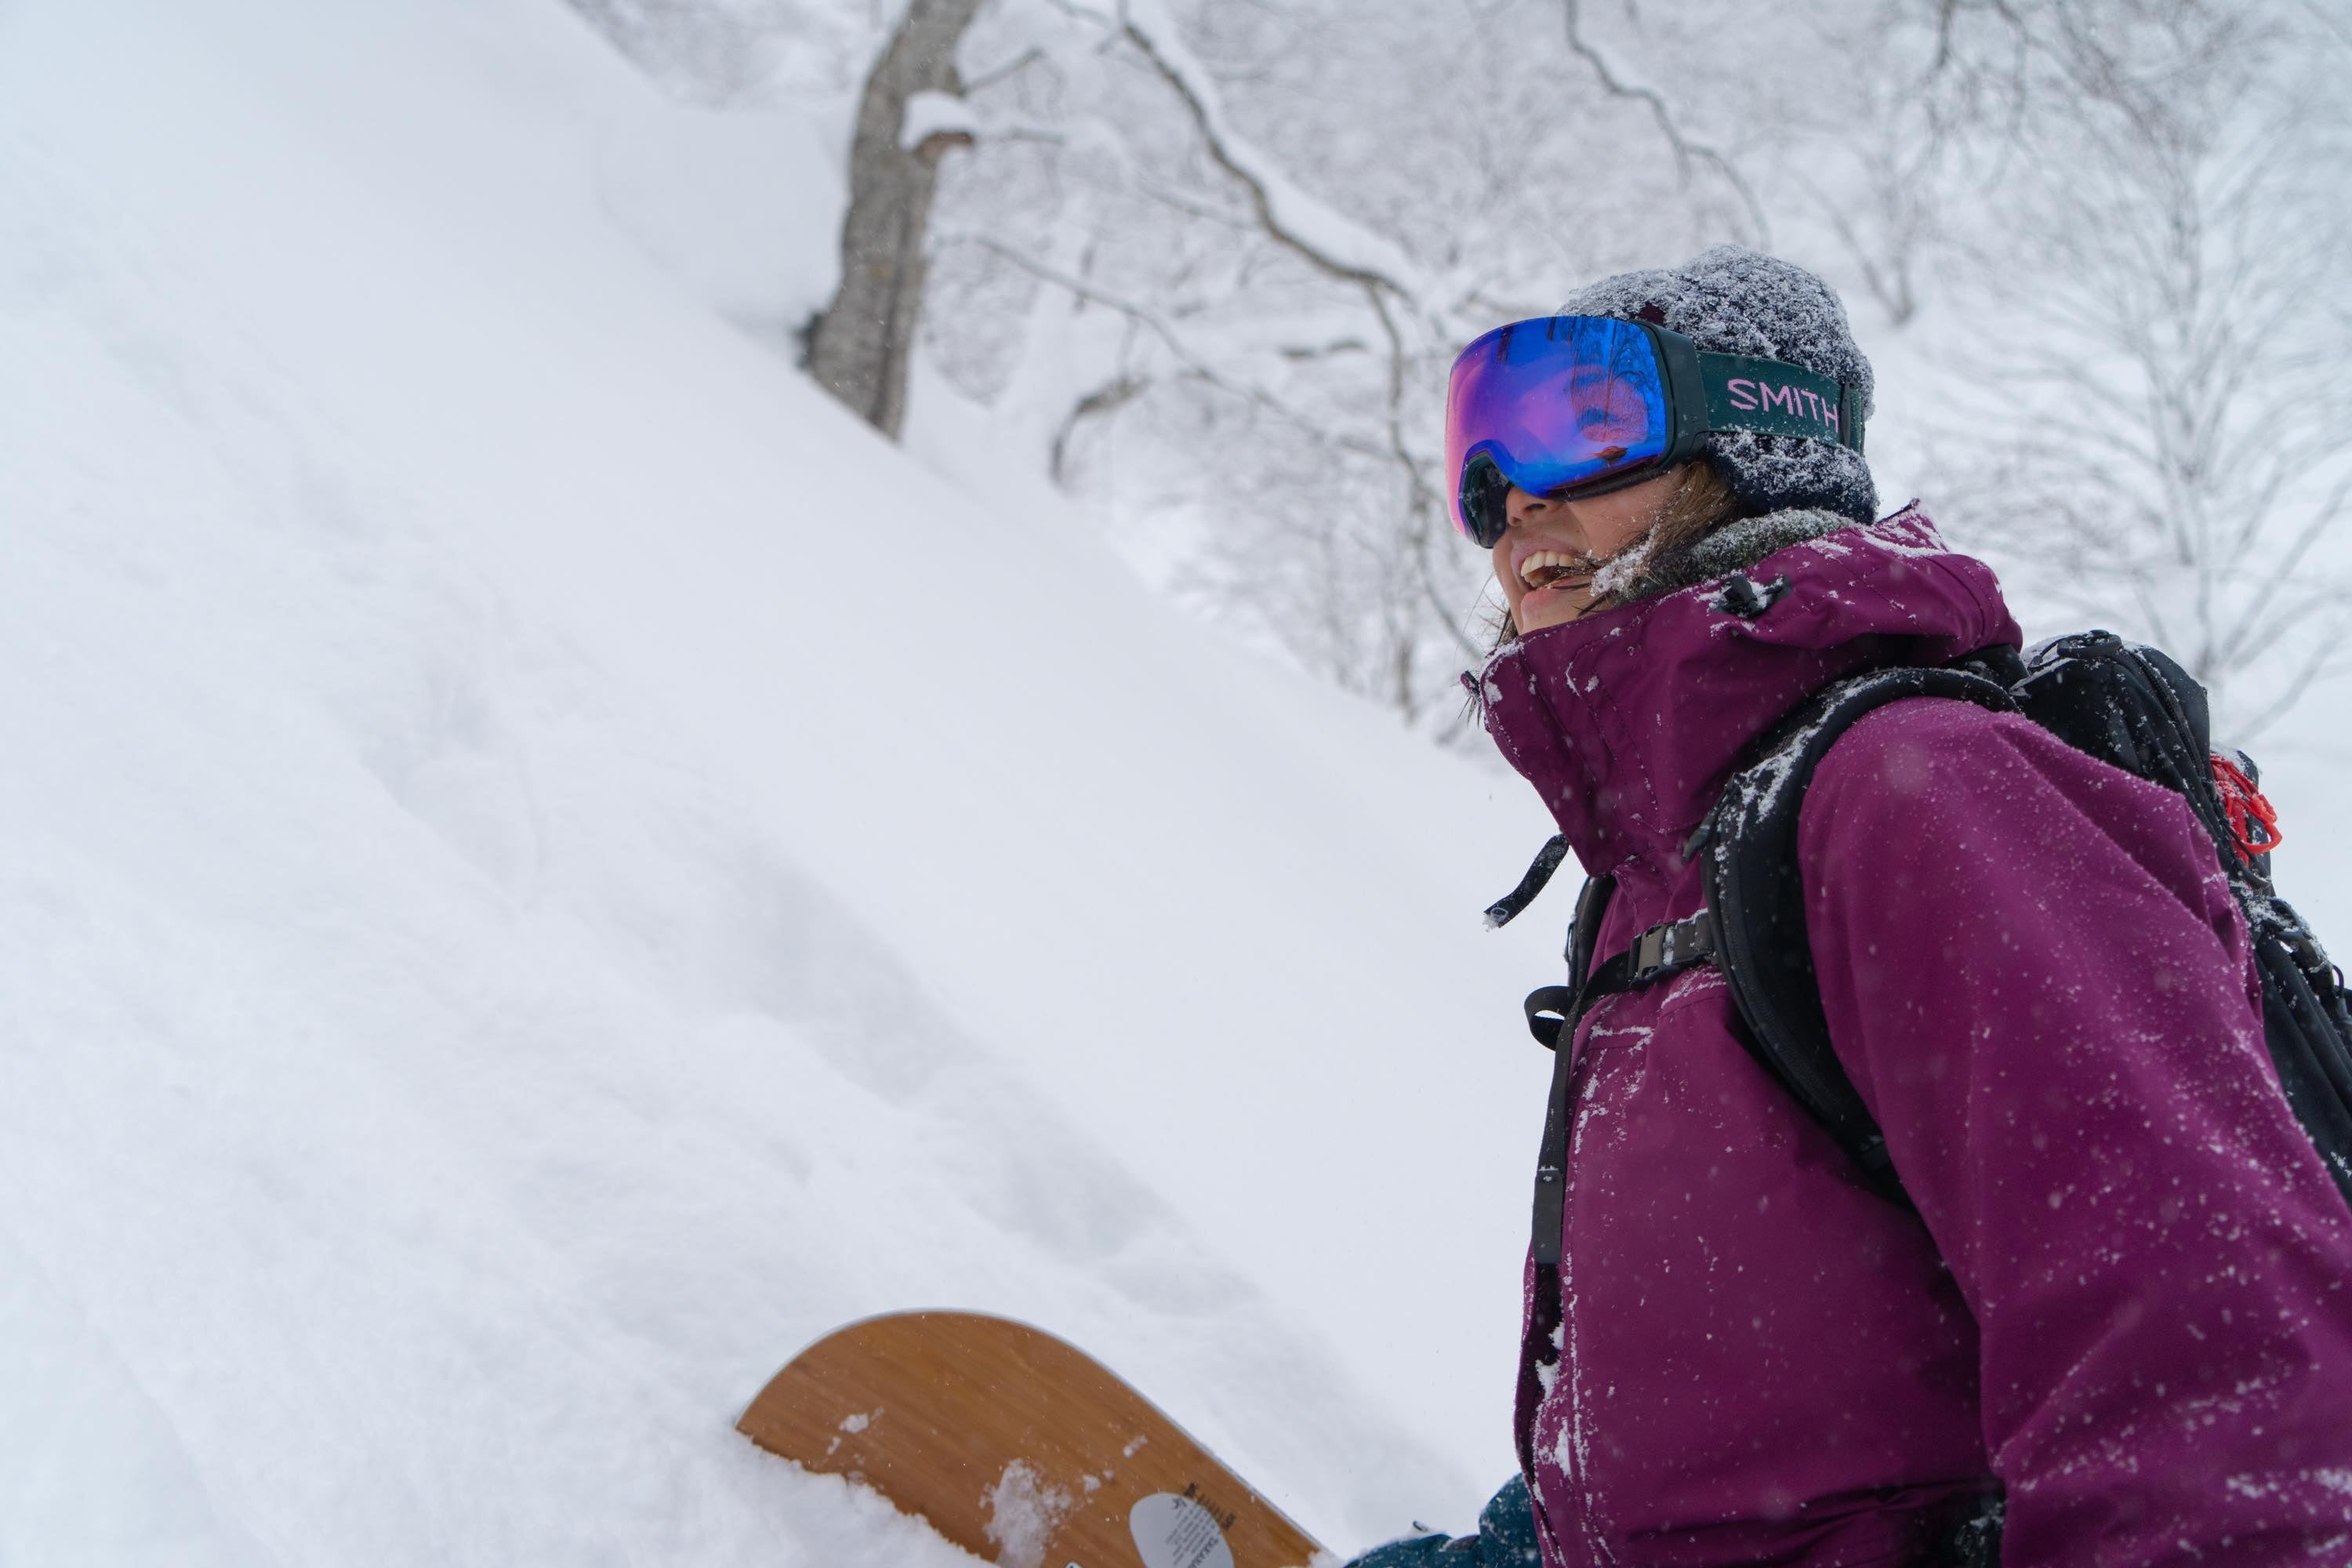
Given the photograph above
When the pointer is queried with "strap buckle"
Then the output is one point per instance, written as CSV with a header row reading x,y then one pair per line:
x,y
1667,948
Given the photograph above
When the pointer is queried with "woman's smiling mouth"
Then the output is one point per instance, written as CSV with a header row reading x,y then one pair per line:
x,y
1547,568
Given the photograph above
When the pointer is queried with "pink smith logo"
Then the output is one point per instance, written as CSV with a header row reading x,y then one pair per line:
x,y
1792,400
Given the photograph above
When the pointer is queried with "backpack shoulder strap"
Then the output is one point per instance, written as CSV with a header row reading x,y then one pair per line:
x,y
1552,1014
1749,849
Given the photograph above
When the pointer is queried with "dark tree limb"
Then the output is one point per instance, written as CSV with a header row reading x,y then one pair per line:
x,y
1688,149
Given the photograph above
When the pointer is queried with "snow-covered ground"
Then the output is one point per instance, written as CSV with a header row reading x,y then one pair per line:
x,y
548,866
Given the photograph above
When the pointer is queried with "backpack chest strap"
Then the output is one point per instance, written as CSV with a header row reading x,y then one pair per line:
x,y
1669,949
1662,950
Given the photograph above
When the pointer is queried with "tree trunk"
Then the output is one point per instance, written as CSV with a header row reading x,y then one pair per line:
x,y
860,346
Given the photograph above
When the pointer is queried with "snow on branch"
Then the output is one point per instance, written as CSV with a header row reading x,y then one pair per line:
x,y
1308,227
934,113
1687,148
1335,246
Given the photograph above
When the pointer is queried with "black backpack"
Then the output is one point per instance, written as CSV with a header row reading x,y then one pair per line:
x,y
2129,705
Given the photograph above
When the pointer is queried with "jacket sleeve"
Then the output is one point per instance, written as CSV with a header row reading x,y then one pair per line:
x,y
2036,976
1506,1539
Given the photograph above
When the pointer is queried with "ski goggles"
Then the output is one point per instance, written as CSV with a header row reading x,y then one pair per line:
x,y
1579,405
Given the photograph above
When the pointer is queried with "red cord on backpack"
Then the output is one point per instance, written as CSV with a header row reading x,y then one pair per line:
x,y
2247,808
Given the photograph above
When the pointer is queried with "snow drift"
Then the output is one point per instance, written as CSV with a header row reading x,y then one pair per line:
x,y
548,865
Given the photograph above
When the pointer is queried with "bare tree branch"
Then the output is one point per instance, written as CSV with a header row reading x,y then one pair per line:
x,y
1197,366
2327,659
1262,203
1102,402
1029,57
1688,151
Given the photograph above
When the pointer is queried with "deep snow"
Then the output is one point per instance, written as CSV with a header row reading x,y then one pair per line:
x,y
548,865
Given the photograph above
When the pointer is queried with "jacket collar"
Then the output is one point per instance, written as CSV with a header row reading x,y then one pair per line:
x,y
1628,721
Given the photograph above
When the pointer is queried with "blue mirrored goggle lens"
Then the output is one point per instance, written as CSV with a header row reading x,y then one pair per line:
x,y
1550,404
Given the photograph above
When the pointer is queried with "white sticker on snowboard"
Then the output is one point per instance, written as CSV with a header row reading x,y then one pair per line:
x,y
1173,1531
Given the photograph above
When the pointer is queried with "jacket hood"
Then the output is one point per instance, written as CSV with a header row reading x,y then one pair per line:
x,y
1628,721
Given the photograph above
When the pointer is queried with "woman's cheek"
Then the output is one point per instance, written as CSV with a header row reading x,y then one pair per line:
x,y
1507,580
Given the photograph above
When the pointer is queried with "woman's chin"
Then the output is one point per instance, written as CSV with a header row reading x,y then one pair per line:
x,y
1542,607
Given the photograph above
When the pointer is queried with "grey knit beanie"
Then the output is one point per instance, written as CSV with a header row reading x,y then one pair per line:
x,y
1734,301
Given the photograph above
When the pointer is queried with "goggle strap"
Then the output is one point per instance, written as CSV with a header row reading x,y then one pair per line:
x,y
1774,397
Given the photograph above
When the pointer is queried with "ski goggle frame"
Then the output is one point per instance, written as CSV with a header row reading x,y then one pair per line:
x,y
1565,406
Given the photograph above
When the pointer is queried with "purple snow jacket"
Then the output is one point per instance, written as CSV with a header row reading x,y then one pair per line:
x,y
2131,1297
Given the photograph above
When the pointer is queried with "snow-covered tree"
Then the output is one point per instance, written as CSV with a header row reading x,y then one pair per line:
x,y
1212,257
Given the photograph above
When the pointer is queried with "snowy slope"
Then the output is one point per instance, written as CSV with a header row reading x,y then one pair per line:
x,y
548,865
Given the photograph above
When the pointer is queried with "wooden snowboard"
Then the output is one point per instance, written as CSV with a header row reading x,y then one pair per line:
x,y
1017,1448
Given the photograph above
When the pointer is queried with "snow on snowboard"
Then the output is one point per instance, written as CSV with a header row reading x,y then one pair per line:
x,y
1017,1448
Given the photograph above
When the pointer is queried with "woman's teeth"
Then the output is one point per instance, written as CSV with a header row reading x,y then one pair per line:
x,y
1546,567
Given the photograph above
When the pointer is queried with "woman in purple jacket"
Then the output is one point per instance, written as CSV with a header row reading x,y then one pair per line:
x,y
2124,1305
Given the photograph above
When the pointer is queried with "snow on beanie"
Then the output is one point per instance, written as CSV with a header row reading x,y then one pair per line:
x,y
1734,301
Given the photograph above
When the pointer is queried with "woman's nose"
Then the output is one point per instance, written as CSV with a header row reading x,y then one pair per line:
x,y
1519,507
